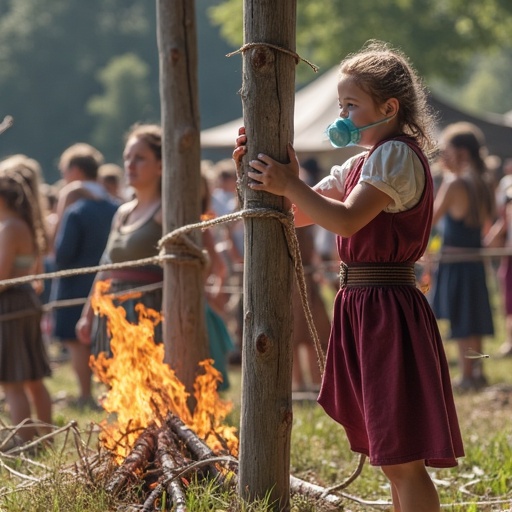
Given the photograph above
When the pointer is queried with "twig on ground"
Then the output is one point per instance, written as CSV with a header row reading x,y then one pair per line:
x,y
350,479
72,425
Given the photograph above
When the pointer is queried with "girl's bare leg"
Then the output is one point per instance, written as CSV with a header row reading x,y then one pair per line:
x,y
413,487
394,498
471,367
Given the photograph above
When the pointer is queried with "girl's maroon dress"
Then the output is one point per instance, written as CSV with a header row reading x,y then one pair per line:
x,y
386,377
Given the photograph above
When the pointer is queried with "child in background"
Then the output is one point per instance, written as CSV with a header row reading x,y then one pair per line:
x,y
500,235
386,377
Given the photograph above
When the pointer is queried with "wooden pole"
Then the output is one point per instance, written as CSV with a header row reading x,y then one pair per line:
x,y
268,94
184,325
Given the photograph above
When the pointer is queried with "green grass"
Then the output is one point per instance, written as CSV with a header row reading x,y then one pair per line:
x,y
319,454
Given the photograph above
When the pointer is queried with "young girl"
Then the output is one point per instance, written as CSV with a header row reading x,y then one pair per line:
x,y
23,359
386,378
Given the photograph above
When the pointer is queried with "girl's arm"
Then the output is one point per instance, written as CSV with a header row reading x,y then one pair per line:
x,y
441,203
301,217
495,237
84,324
344,218
39,284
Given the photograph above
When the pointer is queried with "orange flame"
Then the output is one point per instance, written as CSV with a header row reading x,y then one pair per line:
x,y
142,389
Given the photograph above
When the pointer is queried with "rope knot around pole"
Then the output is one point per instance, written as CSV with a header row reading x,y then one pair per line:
x,y
180,249
295,55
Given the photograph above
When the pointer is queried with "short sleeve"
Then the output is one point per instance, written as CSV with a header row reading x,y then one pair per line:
x,y
337,177
395,169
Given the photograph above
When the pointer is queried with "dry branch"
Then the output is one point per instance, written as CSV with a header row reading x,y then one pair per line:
x,y
316,492
319,493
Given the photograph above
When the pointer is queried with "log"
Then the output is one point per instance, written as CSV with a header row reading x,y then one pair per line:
x,y
316,492
149,503
166,456
198,448
184,327
135,462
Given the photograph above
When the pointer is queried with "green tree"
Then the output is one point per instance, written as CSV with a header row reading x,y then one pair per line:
x,y
440,36
487,85
126,100
50,51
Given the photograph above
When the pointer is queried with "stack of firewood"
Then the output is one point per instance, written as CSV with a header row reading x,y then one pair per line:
x,y
162,461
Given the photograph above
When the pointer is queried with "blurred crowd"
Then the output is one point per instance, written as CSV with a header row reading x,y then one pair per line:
x,y
100,212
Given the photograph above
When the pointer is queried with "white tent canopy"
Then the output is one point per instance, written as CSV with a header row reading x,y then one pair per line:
x,y
316,106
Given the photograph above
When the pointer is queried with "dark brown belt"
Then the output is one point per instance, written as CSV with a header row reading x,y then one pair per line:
x,y
377,274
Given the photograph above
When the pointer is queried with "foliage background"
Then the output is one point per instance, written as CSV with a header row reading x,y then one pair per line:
x,y
85,71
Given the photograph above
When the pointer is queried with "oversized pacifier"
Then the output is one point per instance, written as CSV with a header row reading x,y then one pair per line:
x,y
343,132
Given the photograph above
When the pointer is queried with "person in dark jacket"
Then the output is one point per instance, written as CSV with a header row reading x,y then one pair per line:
x,y
79,242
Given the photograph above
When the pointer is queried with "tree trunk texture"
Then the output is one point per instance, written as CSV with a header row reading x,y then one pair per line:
x,y
183,304
268,94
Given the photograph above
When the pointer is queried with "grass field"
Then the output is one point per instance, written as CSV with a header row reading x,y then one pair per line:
x,y
319,454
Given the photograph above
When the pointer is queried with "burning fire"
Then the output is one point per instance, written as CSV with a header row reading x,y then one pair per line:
x,y
142,389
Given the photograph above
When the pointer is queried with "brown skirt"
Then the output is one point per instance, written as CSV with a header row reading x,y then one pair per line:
x,y
23,354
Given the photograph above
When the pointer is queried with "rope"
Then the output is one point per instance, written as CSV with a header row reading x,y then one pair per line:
x,y
187,251
296,56
55,304
293,244
471,254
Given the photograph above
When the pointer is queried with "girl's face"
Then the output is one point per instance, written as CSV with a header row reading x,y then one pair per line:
x,y
361,109
142,167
